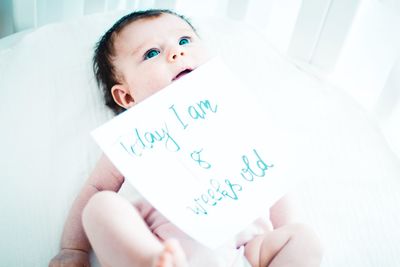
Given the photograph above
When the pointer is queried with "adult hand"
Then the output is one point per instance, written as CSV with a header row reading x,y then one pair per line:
x,y
70,258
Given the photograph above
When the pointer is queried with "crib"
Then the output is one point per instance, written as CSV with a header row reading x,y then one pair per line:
x,y
328,69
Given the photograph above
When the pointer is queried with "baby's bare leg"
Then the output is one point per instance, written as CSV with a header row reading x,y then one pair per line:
x,y
120,237
290,245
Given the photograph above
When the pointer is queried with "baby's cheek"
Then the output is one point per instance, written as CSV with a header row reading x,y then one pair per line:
x,y
203,55
158,84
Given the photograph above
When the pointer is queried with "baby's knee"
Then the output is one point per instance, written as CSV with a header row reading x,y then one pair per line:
x,y
103,198
299,229
99,205
308,236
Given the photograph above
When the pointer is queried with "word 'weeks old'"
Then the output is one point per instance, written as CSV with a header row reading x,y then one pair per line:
x,y
230,188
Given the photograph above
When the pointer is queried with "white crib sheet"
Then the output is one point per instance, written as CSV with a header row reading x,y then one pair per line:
x,y
50,103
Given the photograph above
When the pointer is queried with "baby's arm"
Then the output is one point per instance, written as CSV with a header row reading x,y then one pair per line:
x,y
74,243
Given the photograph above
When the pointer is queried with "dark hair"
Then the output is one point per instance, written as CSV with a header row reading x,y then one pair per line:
x,y
103,67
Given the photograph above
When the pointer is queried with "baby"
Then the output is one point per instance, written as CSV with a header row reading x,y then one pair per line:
x,y
141,54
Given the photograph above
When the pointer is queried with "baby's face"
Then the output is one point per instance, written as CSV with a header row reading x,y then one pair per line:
x,y
151,53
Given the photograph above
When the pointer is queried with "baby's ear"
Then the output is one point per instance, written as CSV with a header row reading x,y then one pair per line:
x,y
122,96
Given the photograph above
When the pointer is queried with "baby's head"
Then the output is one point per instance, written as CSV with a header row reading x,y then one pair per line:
x,y
144,52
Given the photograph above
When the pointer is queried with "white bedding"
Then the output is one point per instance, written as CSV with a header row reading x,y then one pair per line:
x,y
350,178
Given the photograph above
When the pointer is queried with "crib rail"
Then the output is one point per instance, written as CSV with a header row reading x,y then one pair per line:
x,y
19,15
275,18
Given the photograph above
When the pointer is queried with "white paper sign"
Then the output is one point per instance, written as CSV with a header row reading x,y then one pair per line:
x,y
202,152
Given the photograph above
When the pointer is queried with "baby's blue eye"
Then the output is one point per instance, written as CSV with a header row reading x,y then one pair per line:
x,y
184,41
151,53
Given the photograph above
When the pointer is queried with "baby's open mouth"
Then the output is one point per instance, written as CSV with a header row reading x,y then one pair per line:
x,y
182,73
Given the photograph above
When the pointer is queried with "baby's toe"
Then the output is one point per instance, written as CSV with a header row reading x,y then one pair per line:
x,y
177,253
164,260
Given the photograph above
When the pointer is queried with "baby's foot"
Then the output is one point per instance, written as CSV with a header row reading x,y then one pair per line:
x,y
172,255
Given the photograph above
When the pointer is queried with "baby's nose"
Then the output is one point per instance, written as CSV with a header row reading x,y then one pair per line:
x,y
175,53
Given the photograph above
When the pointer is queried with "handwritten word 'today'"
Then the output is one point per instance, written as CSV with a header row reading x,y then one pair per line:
x,y
229,190
143,140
